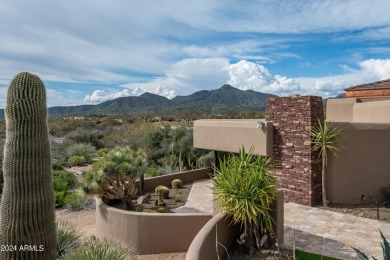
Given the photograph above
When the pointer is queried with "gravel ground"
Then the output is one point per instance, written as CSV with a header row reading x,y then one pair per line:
x,y
177,198
363,210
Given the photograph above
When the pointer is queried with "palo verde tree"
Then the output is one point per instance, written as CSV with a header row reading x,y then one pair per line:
x,y
27,207
325,137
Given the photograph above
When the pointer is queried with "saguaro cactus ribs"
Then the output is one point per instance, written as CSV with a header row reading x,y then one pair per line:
x,y
27,220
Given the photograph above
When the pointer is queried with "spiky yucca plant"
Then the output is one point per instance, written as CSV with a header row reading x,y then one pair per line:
x,y
245,191
27,207
103,249
324,138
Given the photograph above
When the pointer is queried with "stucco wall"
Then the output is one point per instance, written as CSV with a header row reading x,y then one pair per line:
x,y
229,135
362,166
358,111
298,170
149,233
372,112
186,177
340,110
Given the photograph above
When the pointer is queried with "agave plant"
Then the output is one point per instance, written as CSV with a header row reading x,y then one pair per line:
x,y
68,239
385,249
103,249
325,137
245,191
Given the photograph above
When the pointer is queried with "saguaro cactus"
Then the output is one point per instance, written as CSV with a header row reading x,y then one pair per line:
x,y
27,220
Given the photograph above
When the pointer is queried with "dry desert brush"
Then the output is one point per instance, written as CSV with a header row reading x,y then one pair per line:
x,y
27,206
245,191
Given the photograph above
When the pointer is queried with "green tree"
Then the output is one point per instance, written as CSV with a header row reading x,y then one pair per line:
x,y
245,191
325,137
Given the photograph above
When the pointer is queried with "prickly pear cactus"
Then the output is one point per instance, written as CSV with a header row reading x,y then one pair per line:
x,y
27,220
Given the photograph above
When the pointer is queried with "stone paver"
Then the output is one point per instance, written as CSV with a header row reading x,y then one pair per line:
x,y
316,230
331,233
200,199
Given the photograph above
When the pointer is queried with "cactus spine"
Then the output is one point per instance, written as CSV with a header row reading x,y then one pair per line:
x,y
27,207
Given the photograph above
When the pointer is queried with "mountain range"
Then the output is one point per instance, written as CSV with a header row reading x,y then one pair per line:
x,y
204,101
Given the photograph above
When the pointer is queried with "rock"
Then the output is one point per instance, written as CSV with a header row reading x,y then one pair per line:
x,y
144,199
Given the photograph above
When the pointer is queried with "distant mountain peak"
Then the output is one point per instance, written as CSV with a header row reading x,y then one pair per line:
x,y
226,87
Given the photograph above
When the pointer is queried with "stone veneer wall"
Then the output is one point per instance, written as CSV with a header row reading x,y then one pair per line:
x,y
298,169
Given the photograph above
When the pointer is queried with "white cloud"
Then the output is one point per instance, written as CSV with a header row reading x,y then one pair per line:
x,y
191,75
375,69
248,75
100,95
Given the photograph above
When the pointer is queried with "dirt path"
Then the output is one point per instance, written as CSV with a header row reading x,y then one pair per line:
x,y
84,220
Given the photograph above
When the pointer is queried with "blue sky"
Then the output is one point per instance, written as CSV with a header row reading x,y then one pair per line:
x,y
91,51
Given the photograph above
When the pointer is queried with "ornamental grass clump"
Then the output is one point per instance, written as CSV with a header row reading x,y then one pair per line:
x,y
68,238
27,206
103,248
245,191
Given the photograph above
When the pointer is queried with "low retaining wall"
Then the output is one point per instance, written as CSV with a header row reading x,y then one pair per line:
x,y
149,233
153,233
204,244
186,177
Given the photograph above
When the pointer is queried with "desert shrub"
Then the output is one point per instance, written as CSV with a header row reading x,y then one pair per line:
x,y
57,166
85,137
77,161
205,160
172,147
103,151
60,185
68,239
66,176
114,175
62,182
164,190
176,184
86,150
103,248
60,198
151,172
78,201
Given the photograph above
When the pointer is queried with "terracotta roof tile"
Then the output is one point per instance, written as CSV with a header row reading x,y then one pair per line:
x,y
383,84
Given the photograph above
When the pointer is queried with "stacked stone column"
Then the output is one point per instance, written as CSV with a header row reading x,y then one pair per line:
x,y
298,167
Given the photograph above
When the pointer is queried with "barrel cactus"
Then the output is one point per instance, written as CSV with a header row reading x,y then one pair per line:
x,y
176,184
27,220
164,191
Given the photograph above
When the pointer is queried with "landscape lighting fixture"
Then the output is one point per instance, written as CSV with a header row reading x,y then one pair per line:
x,y
260,124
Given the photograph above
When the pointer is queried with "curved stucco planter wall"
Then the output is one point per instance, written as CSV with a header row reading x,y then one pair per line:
x,y
149,233
220,229
153,233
